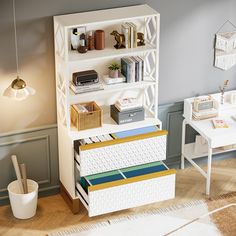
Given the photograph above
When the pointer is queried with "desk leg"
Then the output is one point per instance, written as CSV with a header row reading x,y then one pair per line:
x,y
208,182
183,143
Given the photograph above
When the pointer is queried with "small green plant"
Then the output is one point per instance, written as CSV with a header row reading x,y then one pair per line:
x,y
114,66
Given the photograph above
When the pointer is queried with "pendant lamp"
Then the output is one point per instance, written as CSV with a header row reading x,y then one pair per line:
x,y
18,89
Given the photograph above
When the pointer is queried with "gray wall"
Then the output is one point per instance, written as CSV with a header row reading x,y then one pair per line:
x,y
186,56
37,148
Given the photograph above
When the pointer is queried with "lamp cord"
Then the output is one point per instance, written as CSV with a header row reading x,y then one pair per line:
x,y
16,48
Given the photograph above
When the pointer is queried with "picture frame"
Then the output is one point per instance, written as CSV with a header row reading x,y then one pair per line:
x,y
75,35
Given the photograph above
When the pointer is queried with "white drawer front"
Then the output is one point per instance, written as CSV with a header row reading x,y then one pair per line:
x,y
122,155
131,195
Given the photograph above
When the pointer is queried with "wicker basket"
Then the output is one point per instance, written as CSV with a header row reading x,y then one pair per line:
x,y
86,120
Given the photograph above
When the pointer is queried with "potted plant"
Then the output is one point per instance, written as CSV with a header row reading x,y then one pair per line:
x,y
114,70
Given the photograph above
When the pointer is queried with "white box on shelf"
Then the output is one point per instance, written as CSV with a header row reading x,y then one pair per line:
x,y
109,80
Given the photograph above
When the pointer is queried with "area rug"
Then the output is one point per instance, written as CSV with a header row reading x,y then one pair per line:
x,y
212,217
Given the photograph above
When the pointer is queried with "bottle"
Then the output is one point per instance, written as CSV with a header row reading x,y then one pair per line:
x,y
90,41
82,48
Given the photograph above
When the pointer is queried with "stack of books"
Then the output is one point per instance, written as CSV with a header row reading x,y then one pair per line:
x,y
129,30
87,87
132,68
205,114
127,104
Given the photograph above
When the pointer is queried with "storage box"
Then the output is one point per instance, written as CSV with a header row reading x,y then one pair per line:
x,y
86,120
127,116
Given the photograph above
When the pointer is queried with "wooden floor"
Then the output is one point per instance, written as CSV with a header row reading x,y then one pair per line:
x,y
53,214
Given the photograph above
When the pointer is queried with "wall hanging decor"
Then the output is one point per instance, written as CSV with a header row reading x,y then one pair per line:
x,y
225,48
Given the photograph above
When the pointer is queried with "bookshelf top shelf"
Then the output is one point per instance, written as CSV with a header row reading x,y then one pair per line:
x,y
95,17
109,52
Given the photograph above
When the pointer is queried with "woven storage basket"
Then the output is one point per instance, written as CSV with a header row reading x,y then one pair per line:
x,y
86,120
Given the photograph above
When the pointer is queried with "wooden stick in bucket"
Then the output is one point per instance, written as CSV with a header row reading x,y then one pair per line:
x,y
18,174
24,177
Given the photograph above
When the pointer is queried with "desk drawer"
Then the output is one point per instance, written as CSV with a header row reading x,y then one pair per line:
x,y
127,193
120,153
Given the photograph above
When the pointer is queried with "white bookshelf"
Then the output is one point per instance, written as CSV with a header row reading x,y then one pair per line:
x,y
68,62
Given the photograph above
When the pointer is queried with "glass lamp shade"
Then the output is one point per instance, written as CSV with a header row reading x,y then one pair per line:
x,y
18,90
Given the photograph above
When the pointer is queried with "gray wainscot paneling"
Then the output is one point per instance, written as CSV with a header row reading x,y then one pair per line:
x,y
171,116
37,148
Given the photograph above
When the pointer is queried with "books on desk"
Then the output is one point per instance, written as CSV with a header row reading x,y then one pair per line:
x,y
205,114
218,124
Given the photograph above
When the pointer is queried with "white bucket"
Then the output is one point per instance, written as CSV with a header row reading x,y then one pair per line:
x,y
23,205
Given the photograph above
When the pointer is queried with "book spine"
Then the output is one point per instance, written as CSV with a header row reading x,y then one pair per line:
x,y
134,35
125,31
131,38
141,69
124,69
136,69
131,69
128,38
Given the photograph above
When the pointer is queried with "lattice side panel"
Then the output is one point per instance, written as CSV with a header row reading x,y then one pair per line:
x,y
151,30
150,75
61,95
150,66
60,43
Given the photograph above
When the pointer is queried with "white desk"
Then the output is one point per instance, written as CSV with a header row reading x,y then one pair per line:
x,y
215,138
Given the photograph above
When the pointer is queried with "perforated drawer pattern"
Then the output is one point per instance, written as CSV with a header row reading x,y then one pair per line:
x,y
131,195
122,155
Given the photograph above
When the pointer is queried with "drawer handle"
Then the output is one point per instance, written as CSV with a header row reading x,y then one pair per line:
x,y
132,114
89,114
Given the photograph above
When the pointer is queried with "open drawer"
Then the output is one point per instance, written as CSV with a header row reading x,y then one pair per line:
x,y
121,152
135,186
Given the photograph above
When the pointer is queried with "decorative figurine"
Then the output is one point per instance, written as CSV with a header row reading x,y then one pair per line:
x,y
140,39
120,39
222,90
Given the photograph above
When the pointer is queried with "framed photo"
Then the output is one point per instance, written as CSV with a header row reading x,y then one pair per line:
x,y
76,35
